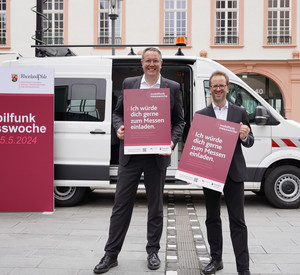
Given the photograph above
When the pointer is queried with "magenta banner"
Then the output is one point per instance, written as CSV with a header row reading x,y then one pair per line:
x,y
208,152
26,139
147,121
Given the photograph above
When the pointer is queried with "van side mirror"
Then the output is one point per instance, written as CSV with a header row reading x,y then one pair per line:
x,y
261,115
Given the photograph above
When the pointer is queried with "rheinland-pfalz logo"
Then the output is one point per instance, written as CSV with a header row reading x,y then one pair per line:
x,y
14,77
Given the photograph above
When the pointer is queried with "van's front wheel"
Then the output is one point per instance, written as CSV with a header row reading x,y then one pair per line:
x,y
68,195
282,187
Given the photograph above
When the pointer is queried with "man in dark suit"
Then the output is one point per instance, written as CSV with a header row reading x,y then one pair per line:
x,y
131,168
234,185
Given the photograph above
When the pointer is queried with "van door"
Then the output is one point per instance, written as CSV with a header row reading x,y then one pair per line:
x,y
82,129
239,94
262,147
262,135
181,72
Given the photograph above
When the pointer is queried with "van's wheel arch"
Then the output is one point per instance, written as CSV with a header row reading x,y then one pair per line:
x,y
282,187
68,195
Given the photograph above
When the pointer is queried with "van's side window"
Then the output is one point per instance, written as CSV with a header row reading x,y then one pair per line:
x,y
79,99
207,93
238,96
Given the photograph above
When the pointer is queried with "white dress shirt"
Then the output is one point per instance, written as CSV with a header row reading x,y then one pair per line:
x,y
145,85
221,113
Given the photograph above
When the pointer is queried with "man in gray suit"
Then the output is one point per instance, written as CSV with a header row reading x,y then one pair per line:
x,y
234,185
131,168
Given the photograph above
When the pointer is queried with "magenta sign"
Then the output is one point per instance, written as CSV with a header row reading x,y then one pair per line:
x,y
208,151
26,139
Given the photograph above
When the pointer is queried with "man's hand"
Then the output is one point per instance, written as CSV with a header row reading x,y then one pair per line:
x,y
171,145
244,131
120,132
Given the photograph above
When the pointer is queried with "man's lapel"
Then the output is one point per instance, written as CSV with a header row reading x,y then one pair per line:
x,y
230,112
163,83
137,83
211,111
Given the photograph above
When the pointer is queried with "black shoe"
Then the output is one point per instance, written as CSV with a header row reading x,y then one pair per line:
x,y
213,267
105,264
153,261
245,272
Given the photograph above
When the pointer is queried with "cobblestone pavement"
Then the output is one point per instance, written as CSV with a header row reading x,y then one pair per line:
x,y
70,240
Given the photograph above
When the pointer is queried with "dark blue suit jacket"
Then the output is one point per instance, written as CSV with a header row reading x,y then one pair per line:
x,y
237,170
177,119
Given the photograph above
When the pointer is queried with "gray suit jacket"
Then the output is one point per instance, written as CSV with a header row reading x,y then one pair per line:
x,y
237,170
177,119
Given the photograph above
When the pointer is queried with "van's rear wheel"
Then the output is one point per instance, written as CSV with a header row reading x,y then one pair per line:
x,y
282,187
68,195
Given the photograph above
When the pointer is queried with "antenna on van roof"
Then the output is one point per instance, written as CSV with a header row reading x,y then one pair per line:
x,y
18,54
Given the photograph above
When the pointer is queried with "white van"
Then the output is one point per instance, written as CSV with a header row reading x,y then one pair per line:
x,y
86,147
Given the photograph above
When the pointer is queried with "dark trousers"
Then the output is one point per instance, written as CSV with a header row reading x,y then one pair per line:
x,y
234,198
128,180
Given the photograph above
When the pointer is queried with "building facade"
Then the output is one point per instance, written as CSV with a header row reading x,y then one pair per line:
x,y
257,39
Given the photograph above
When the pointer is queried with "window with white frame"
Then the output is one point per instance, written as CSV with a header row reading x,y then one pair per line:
x,y
227,32
175,20
54,24
105,24
279,22
3,23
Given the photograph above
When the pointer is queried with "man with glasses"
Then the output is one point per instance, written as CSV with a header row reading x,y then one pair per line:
x,y
131,168
234,185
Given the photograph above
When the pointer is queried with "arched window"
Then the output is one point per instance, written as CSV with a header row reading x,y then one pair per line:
x,y
266,88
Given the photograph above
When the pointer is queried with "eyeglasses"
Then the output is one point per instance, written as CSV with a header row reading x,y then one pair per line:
x,y
155,61
215,87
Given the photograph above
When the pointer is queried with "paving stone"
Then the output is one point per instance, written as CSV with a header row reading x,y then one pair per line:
x,y
70,241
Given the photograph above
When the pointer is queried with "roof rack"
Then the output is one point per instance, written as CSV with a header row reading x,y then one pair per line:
x,y
63,50
53,51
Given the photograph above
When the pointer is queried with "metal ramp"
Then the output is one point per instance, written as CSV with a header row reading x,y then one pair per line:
x,y
186,250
